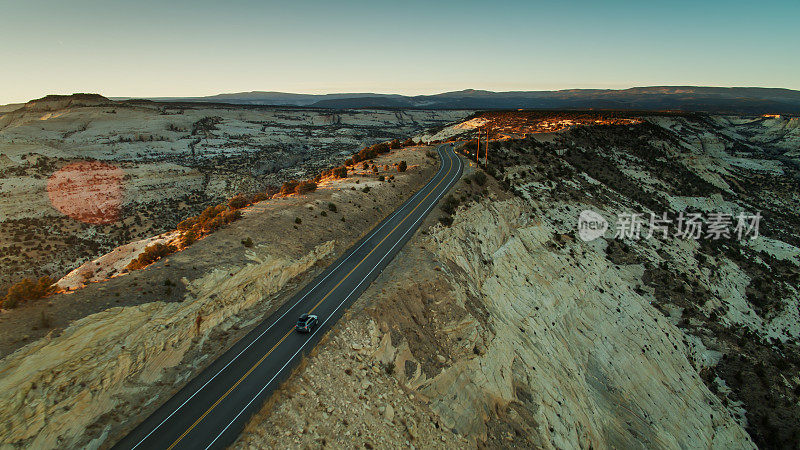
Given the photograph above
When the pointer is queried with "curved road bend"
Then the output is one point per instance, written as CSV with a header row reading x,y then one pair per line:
x,y
212,409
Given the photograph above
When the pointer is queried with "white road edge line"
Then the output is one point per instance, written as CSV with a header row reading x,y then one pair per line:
x,y
460,163
370,236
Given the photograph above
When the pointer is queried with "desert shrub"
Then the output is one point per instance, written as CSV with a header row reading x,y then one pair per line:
x,y
324,214
289,187
305,187
381,148
446,220
479,177
189,237
449,204
332,207
365,166
206,124
381,178
298,220
432,154
402,166
238,202
260,197
248,242
186,224
214,224
365,190
230,216
336,172
408,142
151,254
211,212
27,290
375,168
395,144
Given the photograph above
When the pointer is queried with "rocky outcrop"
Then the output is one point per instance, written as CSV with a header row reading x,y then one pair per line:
x,y
560,344
53,389
568,338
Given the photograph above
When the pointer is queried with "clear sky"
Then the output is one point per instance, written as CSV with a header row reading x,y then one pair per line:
x,y
192,48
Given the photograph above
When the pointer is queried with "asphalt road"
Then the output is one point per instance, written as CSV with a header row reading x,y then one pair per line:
x,y
212,409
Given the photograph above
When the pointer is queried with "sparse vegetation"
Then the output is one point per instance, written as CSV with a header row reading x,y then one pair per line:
x,y
336,172
332,207
402,166
151,254
28,290
247,242
238,202
449,204
305,187
289,187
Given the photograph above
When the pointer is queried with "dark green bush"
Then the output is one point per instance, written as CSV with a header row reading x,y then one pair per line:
x,y
449,204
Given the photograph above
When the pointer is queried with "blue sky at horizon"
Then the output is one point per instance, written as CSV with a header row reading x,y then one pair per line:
x,y
153,49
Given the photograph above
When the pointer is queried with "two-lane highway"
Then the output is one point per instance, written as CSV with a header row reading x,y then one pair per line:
x,y
211,410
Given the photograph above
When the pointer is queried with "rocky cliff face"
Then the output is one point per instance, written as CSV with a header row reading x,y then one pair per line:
x,y
566,345
56,388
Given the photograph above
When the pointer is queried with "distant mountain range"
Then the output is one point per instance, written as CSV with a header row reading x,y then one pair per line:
x,y
749,100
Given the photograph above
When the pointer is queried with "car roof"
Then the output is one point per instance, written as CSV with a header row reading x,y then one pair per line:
x,y
304,316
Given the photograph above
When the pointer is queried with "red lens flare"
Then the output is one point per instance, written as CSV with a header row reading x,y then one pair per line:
x,y
88,191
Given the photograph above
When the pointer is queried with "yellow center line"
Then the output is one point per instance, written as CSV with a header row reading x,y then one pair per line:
x,y
200,419
381,242
229,390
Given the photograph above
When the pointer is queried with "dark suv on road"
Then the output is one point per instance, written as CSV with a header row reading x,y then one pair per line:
x,y
306,323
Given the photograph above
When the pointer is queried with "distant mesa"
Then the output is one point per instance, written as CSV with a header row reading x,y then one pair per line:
x,y
733,100
717,100
56,102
